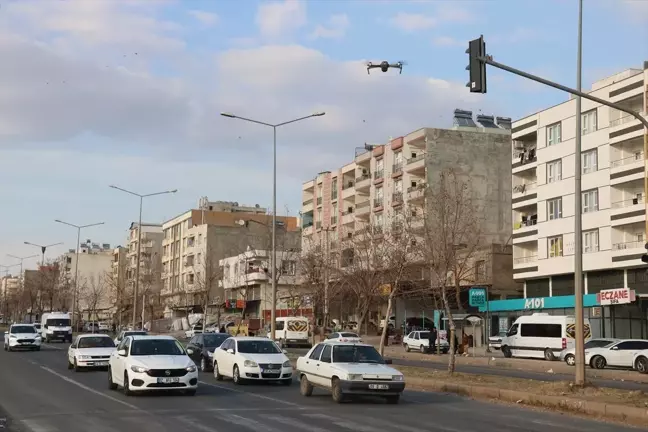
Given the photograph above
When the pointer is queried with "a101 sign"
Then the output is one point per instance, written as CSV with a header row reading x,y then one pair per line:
x,y
477,297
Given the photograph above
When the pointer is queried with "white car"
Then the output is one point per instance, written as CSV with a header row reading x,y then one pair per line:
x,y
252,358
150,363
344,337
348,369
195,329
125,333
22,336
620,354
568,355
419,340
90,351
640,362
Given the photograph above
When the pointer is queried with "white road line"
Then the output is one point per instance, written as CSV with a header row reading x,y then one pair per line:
x,y
377,424
194,425
251,394
249,423
37,426
294,422
91,390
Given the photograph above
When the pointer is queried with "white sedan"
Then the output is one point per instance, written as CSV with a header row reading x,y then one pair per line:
x,y
419,340
150,363
22,336
90,351
252,358
620,354
344,337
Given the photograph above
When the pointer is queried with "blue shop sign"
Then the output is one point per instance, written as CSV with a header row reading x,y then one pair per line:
x,y
537,303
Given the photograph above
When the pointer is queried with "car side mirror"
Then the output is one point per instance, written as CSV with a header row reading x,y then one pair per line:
x,y
388,361
615,348
122,352
45,326
190,351
285,351
230,351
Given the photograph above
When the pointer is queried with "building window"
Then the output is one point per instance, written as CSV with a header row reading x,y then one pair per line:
x,y
288,268
589,161
554,171
554,209
555,246
591,241
588,122
553,134
480,270
590,201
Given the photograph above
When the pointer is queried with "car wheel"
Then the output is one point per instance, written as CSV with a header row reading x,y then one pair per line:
x,y
191,392
422,349
549,355
111,384
336,391
642,365
76,366
9,348
570,360
5,347
217,375
203,364
70,365
236,375
305,388
407,348
598,362
127,390
507,352
393,399
286,382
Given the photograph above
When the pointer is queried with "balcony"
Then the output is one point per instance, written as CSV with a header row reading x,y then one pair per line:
x,y
397,198
363,182
523,193
524,155
525,230
416,193
379,175
377,203
397,169
636,157
525,259
416,163
628,248
348,218
307,206
348,192
626,127
362,208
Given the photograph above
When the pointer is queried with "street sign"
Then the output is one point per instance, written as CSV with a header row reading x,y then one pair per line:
x,y
477,296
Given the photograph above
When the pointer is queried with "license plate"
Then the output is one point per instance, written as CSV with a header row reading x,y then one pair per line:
x,y
378,387
168,380
101,363
25,343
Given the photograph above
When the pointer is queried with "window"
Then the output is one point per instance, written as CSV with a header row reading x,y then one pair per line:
x,y
588,122
326,354
554,171
590,201
541,330
398,186
288,268
279,325
591,241
555,246
379,194
480,270
513,330
315,355
589,161
553,134
554,209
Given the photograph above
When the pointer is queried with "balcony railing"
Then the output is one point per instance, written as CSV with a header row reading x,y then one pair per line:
x,y
625,119
347,185
525,259
378,174
397,168
363,177
627,160
629,202
319,201
308,201
524,187
526,223
415,159
347,211
362,205
378,202
628,245
397,198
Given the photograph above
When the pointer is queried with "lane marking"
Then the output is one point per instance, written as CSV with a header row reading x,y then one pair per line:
x,y
287,421
90,389
249,423
36,426
251,394
195,425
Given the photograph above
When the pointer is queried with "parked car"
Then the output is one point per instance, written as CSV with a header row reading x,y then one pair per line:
x,y
620,354
347,369
420,340
568,355
201,348
344,337
252,359
194,330
90,351
640,362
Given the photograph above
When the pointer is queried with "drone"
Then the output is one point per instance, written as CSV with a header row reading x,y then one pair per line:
x,y
385,65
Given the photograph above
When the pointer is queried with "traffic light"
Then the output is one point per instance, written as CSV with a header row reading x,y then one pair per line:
x,y
477,69
644,257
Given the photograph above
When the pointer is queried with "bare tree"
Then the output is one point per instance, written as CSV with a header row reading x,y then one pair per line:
x,y
48,280
207,275
150,284
450,235
93,293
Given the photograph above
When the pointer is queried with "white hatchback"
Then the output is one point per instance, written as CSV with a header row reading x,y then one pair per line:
x,y
252,358
90,351
22,336
150,363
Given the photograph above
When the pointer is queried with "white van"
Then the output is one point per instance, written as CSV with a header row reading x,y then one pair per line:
x,y
292,331
56,325
542,336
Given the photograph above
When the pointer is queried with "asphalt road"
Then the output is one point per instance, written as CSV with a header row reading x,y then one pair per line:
x,y
39,394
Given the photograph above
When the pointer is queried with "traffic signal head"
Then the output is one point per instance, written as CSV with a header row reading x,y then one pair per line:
x,y
477,68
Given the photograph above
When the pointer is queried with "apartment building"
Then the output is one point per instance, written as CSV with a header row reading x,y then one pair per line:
x,y
384,179
229,206
613,169
194,243
248,285
150,255
9,286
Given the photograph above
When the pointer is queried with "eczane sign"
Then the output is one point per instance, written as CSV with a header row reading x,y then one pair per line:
x,y
615,296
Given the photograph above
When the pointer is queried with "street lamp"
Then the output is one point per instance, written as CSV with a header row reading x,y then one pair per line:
x,y
76,264
139,242
21,259
43,250
274,203
5,317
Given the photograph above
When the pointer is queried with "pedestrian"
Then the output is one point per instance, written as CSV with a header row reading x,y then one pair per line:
x,y
433,339
456,342
386,341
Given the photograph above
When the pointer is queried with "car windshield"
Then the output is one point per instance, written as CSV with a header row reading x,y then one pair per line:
x,y
258,347
356,354
58,322
150,347
215,339
598,343
96,342
22,329
349,335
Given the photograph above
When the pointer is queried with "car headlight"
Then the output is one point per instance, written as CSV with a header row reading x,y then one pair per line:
x,y
37,337
12,337
287,364
139,369
398,377
191,368
355,377
250,363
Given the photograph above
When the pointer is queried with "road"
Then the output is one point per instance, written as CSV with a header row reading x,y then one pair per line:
x,y
39,394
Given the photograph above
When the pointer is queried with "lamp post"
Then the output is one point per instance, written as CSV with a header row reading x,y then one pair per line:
x,y
21,259
6,302
139,242
75,293
43,250
274,127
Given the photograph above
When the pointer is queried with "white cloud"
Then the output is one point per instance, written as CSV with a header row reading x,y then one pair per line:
x,y
207,19
444,14
447,41
275,19
335,28
413,22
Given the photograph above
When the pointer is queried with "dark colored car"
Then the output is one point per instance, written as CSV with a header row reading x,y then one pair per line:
x,y
201,348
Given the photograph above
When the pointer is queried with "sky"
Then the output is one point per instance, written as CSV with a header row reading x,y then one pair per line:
x,y
94,93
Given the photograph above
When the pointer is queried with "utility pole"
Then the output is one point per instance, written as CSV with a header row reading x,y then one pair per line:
x,y
326,277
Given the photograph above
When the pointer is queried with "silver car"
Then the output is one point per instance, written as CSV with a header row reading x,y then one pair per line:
x,y
567,355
